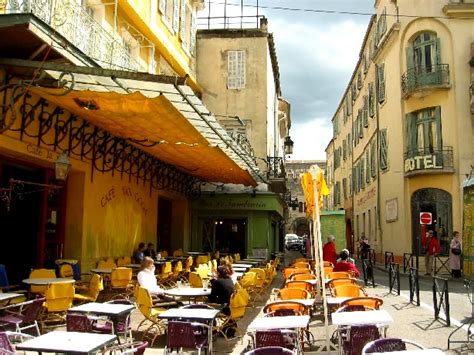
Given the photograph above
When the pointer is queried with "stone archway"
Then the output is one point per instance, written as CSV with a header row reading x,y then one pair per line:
x,y
300,226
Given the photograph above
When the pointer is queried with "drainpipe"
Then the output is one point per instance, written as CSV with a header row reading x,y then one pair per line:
x,y
379,230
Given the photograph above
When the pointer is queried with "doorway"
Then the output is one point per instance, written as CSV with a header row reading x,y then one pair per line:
x,y
163,239
231,236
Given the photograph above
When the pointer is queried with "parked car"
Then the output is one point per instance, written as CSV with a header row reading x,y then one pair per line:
x,y
293,242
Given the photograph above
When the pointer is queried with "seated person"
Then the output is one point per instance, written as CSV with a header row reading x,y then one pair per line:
x,y
150,251
349,259
138,254
147,279
345,265
222,288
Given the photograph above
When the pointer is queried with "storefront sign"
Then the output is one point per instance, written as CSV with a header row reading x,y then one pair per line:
x,y
128,193
234,204
422,162
367,196
39,152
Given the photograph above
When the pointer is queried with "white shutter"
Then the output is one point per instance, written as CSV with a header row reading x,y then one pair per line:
x,y
176,15
182,28
192,38
236,70
163,7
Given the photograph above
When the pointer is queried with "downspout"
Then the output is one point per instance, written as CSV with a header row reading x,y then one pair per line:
x,y
379,230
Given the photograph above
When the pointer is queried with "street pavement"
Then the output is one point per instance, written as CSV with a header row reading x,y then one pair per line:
x,y
410,321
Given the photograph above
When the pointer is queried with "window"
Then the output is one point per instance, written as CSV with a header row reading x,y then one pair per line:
x,y
335,125
350,184
424,58
365,111
372,158
365,63
344,114
360,122
371,100
348,104
367,164
183,31
167,9
383,160
362,173
381,25
354,91
359,80
349,143
344,188
380,83
424,131
344,149
235,69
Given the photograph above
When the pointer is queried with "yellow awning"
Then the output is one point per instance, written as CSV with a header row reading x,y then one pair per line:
x,y
191,144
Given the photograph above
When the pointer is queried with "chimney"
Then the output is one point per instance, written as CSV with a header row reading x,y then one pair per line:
x,y
264,24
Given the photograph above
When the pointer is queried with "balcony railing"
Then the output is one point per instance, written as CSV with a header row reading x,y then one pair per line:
x,y
425,77
276,168
429,161
72,21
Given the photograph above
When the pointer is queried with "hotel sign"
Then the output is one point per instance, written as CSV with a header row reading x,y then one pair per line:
x,y
422,162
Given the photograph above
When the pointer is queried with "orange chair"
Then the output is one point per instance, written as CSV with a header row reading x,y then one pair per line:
x,y
293,293
372,302
342,281
348,291
301,265
302,285
338,275
327,270
298,260
285,308
328,263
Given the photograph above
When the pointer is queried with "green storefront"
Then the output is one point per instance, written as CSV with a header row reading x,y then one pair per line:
x,y
237,223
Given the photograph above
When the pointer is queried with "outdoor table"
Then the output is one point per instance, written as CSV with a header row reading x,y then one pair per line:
x,y
336,301
308,302
313,282
205,316
188,292
195,253
241,265
67,342
414,352
246,262
380,318
133,266
112,310
47,281
103,270
8,296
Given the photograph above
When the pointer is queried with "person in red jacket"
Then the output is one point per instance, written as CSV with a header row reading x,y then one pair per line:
x,y
329,250
344,265
432,249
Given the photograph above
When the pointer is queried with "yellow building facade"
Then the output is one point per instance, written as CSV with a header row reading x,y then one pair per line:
x,y
403,132
111,85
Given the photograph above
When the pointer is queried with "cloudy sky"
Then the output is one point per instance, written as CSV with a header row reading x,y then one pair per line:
x,y
317,53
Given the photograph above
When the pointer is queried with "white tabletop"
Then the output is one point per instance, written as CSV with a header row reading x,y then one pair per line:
x,y
190,313
112,309
47,281
133,266
103,270
241,266
67,342
188,292
334,301
286,322
308,302
9,295
415,352
313,282
379,317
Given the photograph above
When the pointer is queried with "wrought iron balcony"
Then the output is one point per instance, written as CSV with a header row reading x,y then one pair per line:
x,y
276,168
426,161
74,23
423,78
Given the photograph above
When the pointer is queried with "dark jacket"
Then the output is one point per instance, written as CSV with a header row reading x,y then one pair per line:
x,y
221,291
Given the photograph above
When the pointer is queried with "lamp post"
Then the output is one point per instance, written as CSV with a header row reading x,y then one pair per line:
x,y
288,145
62,167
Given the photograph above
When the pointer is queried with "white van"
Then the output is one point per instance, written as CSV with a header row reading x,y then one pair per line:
x,y
293,242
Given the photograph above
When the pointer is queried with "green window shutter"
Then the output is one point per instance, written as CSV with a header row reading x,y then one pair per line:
x,y
192,38
365,111
362,173
412,134
381,83
344,149
353,91
182,25
344,188
383,149
438,53
439,141
367,164
176,7
361,123
371,100
410,57
372,158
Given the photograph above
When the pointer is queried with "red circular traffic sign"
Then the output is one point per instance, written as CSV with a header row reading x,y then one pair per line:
x,y
426,218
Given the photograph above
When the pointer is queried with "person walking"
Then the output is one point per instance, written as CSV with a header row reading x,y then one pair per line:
x,y
432,249
329,250
455,251
364,247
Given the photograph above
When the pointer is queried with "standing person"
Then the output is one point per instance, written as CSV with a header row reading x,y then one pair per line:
x,y
138,254
150,251
329,250
364,247
432,249
455,251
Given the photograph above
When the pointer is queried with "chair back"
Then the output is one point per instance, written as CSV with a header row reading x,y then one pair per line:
x,y
65,270
144,301
237,257
248,280
327,270
164,253
78,323
260,276
299,260
5,345
41,274
292,308
385,345
178,252
177,269
354,308
372,302
301,265
59,296
32,311
347,291
106,264
121,277
96,284
328,263
182,335
342,281
338,275
214,264
302,277
124,260
201,259
300,284
293,293
238,303
195,280
359,335
271,350
269,338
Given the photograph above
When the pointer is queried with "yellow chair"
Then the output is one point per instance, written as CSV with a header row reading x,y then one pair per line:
x,y
177,271
301,284
58,299
178,252
124,260
303,277
164,276
203,271
237,257
155,326
348,291
342,281
299,260
293,293
164,253
328,263
96,284
238,303
248,281
280,308
301,265
201,259
66,271
260,284
106,264
121,284
327,270
195,280
41,274
338,275
372,302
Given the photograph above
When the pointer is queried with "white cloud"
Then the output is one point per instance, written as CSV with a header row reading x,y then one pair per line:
x,y
311,138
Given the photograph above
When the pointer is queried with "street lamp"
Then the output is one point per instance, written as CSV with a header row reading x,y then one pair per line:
x,y
62,167
288,145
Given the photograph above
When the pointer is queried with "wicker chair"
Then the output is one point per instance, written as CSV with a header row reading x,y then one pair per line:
x,y
186,335
271,350
387,345
356,338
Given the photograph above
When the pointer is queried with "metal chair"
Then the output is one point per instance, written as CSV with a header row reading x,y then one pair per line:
x,y
121,284
386,345
6,343
293,293
41,274
357,336
289,308
372,302
155,326
185,335
283,338
271,350
123,326
76,322
348,291
26,317
136,348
